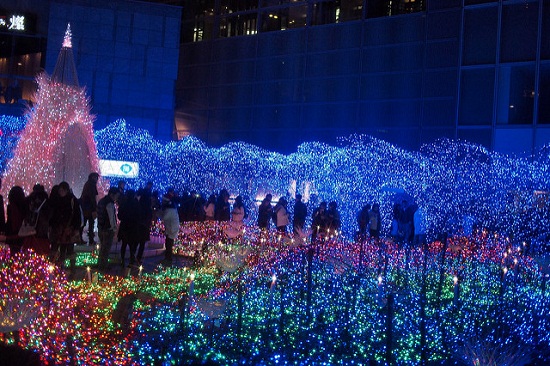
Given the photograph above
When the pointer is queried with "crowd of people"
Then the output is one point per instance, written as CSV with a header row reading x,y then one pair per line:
x,y
51,224
408,224
324,219
58,220
48,223
194,207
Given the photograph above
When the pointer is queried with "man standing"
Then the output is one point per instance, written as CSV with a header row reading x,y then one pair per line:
x,y
264,212
106,225
88,202
300,214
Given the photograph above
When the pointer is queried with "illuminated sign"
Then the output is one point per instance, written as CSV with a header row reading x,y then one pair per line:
x,y
12,22
117,168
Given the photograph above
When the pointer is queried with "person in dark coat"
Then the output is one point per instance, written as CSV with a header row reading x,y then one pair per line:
x,y
333,217
363,220
88,200
375,221
129,214
239,211
300,214
106,226
65,222
15,215
38,215
408,221
265,212
319,221
145,222
223,211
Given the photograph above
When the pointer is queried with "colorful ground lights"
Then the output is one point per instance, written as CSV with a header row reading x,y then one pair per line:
x,y
332,302
263,298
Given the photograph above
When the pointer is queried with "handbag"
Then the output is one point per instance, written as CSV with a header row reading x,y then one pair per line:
x,y
27,228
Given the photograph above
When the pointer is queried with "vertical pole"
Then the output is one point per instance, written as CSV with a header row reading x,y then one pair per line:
x,y
441,270
379,258
239,311
361,243
282,314
423,356
537,316
389,330
309,285
183,312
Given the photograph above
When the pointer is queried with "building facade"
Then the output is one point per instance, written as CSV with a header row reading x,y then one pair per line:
x,y
126,55
277,73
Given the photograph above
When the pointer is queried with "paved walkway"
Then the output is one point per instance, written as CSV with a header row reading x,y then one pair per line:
x,y
153,256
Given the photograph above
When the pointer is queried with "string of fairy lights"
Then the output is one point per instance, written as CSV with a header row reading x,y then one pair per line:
x,y
256,297
449,179
58,108
461,294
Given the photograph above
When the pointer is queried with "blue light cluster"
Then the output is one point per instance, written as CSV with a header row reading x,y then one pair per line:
x,y
449,179
10,127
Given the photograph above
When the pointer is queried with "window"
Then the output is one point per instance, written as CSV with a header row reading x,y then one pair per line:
x,y
281,19
480,36
266,3
476,97
325,13
233,6
519,32
203,27
20,60
238,25
473,2
544,95
334,11
198,21
545,44
382,8
516,94
350,10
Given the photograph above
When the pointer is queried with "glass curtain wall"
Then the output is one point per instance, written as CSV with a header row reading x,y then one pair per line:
x,y
21,57
209,19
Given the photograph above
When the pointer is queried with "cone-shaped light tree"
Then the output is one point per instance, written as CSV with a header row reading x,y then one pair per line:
x,y
57,143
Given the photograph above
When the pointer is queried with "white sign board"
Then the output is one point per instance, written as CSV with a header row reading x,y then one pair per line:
x,y
117,168
12,22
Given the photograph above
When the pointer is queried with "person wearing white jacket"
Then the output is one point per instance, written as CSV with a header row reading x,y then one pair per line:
x,y
281,215
171,221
